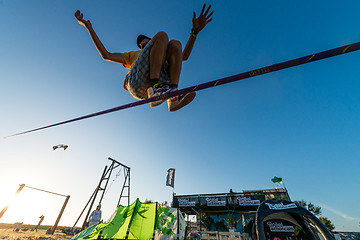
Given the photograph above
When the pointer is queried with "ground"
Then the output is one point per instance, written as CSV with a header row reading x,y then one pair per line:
x,y
7,232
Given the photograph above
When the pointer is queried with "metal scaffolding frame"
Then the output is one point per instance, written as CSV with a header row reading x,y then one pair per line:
x,y
103,184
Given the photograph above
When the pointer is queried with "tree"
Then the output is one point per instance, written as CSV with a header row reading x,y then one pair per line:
x,y
314,209
317,212
166,203
327,223
310,207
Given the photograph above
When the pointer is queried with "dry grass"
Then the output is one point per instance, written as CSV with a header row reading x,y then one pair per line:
x,y
7,232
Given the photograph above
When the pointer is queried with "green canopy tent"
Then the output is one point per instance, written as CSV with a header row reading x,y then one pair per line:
x,y
139,221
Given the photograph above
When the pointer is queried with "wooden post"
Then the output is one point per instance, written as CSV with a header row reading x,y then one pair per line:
x,y
60,214
7,206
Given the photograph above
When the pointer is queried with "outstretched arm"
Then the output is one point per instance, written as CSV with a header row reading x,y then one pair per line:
x,y
113,57
198,24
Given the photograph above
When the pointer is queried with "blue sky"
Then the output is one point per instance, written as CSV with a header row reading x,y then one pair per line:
x,y
301,124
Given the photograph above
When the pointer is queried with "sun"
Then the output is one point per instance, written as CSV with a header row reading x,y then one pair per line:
x,y
26,206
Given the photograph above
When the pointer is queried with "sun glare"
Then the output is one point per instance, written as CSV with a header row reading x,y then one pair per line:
x,y
26,207
29,205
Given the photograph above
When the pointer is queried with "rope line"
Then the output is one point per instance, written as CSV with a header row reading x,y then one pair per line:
x,y
260,71
46,191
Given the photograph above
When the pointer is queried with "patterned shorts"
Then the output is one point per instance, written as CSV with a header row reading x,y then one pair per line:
x,y
138,79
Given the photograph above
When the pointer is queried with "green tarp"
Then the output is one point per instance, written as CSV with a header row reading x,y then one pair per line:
x,y
139,221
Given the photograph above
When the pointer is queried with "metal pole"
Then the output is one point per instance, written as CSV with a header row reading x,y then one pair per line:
x,y
92,203
127,177
243,225
118,162
129,188
287,193
60,214
84,208
109,171
178,224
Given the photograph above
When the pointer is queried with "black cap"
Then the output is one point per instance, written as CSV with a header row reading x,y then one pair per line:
x,y
140,38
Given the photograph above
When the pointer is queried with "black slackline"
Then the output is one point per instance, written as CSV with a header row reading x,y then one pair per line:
x,y
271,68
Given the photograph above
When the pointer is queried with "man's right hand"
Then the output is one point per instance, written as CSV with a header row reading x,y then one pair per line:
x,y
203,19
79,17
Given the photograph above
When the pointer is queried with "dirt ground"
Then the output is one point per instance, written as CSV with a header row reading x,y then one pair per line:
x,y
10,234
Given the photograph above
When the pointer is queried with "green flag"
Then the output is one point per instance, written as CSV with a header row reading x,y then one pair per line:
x,y
276,179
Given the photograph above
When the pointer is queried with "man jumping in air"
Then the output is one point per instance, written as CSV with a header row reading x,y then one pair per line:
x,y
155,69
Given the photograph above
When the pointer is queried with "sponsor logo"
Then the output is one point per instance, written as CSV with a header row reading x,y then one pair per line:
x,y
280,206
279,227
214,202
259,71
186,203
247,201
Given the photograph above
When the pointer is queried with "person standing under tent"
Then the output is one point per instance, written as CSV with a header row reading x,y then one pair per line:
x,y
95,216
155,69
